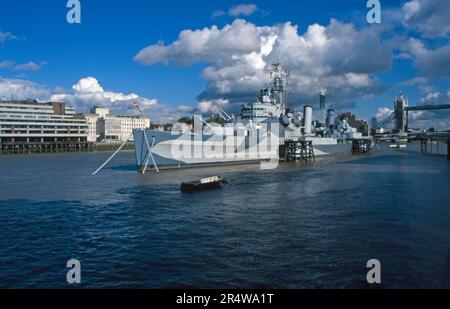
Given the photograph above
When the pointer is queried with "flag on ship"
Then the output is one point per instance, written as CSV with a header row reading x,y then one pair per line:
x,y
135,105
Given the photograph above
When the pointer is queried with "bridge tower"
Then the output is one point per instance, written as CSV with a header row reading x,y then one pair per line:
x,y
401,114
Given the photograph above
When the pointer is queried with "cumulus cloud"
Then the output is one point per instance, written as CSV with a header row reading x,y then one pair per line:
x,y
85,94
338,56
22,90
212,106
383,112
207,44
242,10
88,92
436,97
429,17
430,61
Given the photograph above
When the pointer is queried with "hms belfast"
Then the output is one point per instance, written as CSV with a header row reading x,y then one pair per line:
x,y
261,133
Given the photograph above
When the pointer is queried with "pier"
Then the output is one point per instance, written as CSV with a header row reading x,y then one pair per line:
x,y
429,146
300,150
26,148
432,142
55,147
362,145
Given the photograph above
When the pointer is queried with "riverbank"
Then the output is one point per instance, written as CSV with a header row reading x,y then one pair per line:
x,y
35,148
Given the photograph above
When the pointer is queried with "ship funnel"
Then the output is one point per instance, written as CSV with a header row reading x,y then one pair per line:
x,y
307,119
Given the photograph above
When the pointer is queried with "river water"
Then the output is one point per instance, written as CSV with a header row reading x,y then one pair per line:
x,y
312,226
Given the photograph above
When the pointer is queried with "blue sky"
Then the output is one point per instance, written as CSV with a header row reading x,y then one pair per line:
x,y
112,33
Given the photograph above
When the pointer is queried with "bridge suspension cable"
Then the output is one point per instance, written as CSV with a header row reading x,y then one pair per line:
x,y
386,121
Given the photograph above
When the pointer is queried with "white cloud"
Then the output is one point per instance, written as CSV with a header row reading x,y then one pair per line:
x,y
429,17
207,44
162,113
383,112
436,97
439,119
410,9
413,82
87,92
218,13
6,64
424,89
338,56
211,106
22,90
185,108
242,10
430,61
30,66
7,36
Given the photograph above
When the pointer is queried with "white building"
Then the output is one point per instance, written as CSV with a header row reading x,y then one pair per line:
x,y
101,112
92,127
111,128
128,123
36,123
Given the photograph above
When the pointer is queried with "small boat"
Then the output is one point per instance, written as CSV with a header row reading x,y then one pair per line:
x,y
210,183
398,145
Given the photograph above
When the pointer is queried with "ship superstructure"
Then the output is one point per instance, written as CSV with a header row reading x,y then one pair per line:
x,y
257,134
272,100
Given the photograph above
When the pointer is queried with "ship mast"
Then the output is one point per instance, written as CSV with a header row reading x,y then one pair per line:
x,y
279,84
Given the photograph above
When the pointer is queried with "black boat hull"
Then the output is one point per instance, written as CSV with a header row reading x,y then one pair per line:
x,y
197,186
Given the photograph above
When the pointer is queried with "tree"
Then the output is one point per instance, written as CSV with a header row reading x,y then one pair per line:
x,y
186,120
215,119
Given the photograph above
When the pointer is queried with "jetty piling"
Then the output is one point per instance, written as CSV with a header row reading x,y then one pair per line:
x,y
448,148
362,145
52,147
299,150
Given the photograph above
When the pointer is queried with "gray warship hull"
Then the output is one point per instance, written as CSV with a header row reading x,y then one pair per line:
x,y
156,149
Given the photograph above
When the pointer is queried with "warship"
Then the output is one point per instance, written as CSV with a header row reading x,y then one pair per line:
x,y
256,135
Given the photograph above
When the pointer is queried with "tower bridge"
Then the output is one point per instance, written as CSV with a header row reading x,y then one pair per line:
x,y
401,113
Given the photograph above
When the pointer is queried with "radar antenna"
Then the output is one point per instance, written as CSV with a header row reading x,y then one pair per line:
x,y
279,83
